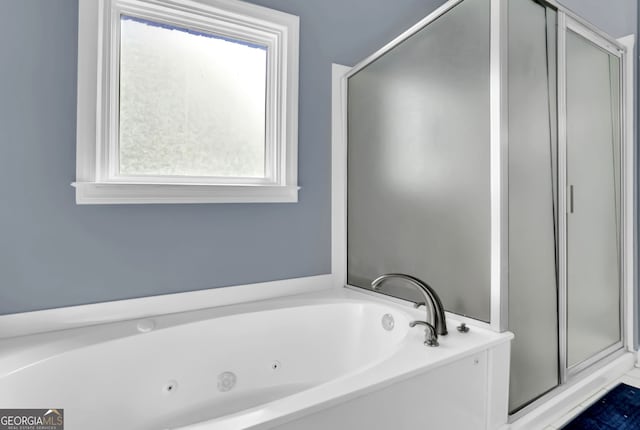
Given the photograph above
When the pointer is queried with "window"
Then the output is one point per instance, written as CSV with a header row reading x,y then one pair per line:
x,y
186,102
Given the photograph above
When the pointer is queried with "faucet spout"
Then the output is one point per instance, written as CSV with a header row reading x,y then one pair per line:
x,y
435,310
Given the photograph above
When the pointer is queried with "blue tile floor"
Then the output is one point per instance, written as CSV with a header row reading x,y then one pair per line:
x,y
619,409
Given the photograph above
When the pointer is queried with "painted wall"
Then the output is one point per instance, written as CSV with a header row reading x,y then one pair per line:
x,y
616,17
54,253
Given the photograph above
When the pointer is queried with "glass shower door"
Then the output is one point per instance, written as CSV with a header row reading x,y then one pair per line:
x,y
593,131
533,281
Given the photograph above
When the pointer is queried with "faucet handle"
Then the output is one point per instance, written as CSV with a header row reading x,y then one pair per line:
x,y
462,328
430,334
431,341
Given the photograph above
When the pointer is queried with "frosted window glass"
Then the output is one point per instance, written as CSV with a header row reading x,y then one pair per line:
x,y
191,104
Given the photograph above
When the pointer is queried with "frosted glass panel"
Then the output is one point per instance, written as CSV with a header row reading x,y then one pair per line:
x,y
533,316
418,162
191,104
593,133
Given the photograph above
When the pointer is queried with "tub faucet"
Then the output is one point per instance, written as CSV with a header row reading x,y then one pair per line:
x,y
435,323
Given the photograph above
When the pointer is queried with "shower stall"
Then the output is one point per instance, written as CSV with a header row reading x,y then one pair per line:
x,y
486,156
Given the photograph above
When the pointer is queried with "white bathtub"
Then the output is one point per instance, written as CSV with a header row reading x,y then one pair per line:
x,y
308,361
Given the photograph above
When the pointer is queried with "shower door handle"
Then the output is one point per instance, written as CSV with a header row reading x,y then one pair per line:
x,y
570,198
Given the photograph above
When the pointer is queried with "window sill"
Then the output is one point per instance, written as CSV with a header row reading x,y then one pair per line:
x,y
102,193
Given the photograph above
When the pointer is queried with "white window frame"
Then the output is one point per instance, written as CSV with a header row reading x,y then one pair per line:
x,y
97,178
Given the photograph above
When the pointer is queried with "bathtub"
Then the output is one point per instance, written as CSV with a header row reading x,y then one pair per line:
x,y
337,359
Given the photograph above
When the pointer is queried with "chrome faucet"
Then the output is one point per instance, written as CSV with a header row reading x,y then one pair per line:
x,y
435,323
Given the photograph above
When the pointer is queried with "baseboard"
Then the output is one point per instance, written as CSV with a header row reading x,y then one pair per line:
x,y
76,316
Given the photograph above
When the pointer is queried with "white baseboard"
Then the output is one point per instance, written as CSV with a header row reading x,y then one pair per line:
x,y
76,316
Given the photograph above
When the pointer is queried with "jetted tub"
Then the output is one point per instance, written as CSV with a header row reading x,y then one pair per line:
x,y
337,359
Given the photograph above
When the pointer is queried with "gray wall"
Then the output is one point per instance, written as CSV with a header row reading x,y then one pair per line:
x,y
616,17
54,253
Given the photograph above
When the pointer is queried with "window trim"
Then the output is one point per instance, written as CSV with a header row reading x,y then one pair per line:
x,y
97,181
